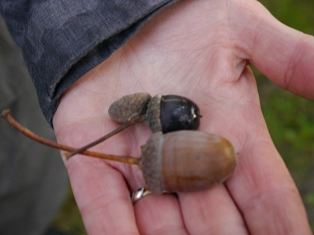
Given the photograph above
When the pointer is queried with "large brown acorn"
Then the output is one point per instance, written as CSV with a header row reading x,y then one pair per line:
x,y
185,161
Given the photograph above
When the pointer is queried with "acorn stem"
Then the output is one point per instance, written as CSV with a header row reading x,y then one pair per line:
x,y
105,137
8,117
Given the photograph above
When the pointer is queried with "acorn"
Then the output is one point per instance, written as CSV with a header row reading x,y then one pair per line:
x,y
162,113
184,161
129,106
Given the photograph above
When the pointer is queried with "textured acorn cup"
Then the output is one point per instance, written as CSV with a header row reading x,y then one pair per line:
x,y
185,161
129,106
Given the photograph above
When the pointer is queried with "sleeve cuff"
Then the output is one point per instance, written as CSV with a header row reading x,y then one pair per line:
x,y
65,40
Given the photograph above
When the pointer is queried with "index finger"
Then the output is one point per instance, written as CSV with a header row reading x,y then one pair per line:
x,y
102,197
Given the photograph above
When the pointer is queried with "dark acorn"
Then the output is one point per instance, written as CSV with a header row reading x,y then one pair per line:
x,y
178,113
162,113
172,113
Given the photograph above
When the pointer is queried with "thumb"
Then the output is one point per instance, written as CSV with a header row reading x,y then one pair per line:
x,y
283,54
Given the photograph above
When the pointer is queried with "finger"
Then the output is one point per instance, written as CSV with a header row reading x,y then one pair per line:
x,y
262,187
283,54
266,194
159,214
211,212
102,197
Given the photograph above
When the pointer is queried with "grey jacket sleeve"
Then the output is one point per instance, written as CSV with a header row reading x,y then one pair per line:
x,y
62,40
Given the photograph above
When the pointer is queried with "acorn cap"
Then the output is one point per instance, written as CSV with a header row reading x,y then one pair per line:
x,y
129,106
150,163
153,114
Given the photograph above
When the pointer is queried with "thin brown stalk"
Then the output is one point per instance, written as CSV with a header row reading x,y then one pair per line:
x,y
8,117
105,137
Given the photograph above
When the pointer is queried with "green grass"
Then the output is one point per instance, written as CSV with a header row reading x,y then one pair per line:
x,y
289,119
69,218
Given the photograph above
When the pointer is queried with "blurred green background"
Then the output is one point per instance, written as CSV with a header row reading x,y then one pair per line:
x,y
290,120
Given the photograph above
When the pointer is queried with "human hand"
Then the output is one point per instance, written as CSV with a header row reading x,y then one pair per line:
x,y
199,49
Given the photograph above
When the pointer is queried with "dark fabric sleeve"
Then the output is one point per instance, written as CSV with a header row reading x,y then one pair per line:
x,y
62,40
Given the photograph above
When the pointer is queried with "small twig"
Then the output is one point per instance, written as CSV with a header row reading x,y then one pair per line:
x,y
7,116
107,136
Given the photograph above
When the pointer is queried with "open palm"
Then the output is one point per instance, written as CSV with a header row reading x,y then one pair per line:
x,y
198,49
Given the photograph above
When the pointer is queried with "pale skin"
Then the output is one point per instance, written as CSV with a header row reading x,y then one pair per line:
x,y
199,49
